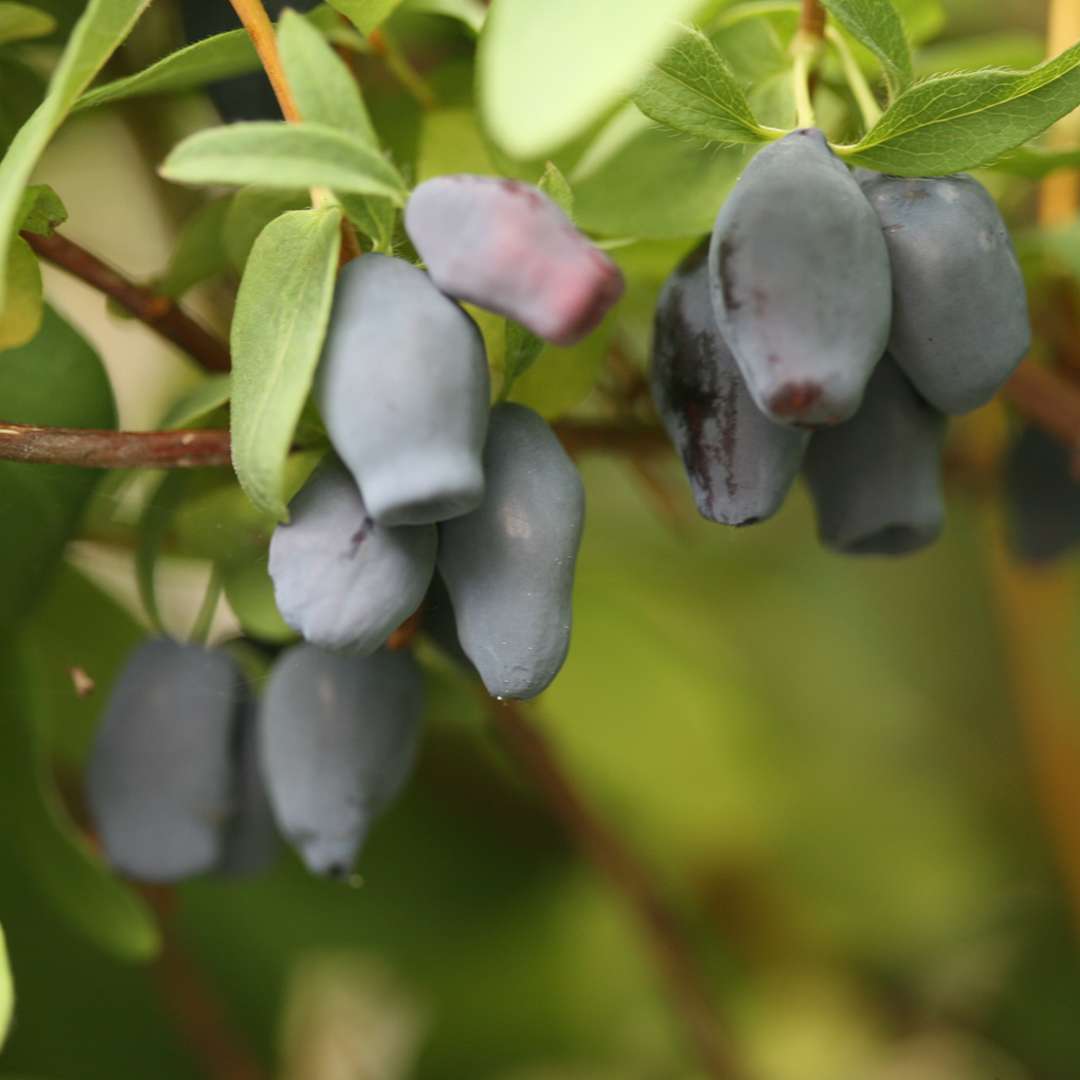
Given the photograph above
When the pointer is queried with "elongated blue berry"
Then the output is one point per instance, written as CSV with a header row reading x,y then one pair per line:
x,y
801,283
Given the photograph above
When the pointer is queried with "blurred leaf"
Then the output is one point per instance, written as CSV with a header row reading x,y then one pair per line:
x,y
153,528
557,188
642,180
875,24
225,526
470,12
206,397
70,878
250,593
21,22
76,627
41,211
1035,162
22,311
1010,50
922,19
54,380
527,108
200,250
523,347
692,90
327,93
275,154
250,211
23,90
558,379
281,316
102,26
954,122
451,142
7,991
365,15
217,57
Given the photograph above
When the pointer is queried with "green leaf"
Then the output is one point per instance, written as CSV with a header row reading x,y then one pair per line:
x,y
250,593
282,312
41,211
7,991
200,250
103,25
208,395
637,180
327,93
876,25
557,188
1035,162
21,314
217,57
325,90
470,12
21,22
251,210
523,348
57,380
274,154
547,70
953,122
692,90
365,15
48,846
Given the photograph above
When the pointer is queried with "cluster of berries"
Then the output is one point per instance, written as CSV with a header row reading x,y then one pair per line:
x,y
431,493
831,325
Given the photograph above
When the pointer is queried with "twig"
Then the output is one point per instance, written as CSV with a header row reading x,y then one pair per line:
x,y
261,31
160,313
812,19
194,1006
605,848
96,448
1048,400
99,449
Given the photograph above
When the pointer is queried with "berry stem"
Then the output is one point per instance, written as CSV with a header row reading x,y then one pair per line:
x,y
864,96
800,73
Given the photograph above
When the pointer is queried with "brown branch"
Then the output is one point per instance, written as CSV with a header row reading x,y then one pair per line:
x,y
160,313
98,449
671,952
812,19
1048,400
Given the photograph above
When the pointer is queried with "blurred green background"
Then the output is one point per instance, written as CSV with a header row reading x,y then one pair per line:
x,y
856,782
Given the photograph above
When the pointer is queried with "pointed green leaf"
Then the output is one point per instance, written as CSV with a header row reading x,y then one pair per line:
x,y
366,15
71,878
21,22
100,29
547,70
326,91
274,154
876,24
557,188
250,211
250,593
954,122
523,348
40,211
193,408
692,90
282,312
200,251
21,313
1035,162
